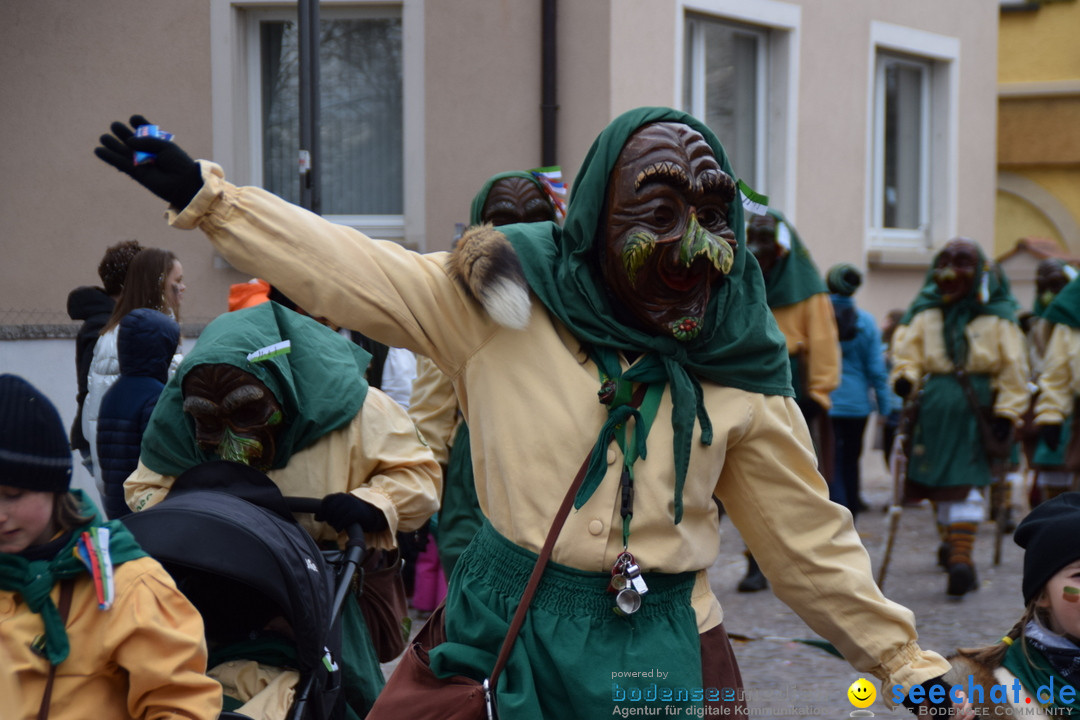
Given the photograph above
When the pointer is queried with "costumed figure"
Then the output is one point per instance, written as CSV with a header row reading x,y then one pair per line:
x,y
273,389
1052,477
960,354
644,297
504,199
90,625
1034,670
800,303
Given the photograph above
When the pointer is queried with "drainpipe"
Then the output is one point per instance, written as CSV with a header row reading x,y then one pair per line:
x,y
548,105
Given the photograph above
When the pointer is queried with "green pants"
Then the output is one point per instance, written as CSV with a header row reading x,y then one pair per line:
x,y
575,657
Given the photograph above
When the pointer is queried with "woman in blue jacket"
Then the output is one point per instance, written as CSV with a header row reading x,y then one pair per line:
x,y
862,372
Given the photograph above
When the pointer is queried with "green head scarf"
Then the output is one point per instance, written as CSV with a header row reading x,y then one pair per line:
x,y
1065,307
34,579
988,296
739,345
315,374
475,215
794,277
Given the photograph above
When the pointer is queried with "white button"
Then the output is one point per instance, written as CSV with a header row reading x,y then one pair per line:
x,y
611,456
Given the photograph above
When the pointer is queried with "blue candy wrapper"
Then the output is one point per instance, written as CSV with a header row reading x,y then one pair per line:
x,y
141,158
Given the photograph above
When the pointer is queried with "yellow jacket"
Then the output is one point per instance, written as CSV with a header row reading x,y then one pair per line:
x,y
143,658
379,457
1059,381
809,326
996,347
434,408
530,398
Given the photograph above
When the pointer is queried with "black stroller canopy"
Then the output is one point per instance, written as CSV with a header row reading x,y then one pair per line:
x,y
214,531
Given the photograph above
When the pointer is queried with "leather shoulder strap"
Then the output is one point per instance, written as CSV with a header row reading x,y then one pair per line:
x,y
67,589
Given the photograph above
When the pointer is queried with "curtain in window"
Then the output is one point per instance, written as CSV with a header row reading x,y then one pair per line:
x,y
903,145
360,95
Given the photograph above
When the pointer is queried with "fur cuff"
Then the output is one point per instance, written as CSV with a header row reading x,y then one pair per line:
x,y
485,262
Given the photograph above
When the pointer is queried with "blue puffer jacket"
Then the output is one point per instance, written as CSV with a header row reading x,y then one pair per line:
x,y
862,366
145,344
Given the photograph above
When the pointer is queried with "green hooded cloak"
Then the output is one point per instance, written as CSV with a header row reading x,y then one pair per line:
x,y
794,277
318,379
739,344
987,296
1065,307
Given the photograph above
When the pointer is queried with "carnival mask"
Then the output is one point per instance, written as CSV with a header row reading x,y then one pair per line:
x,y
1050,279
762,242
955,269
668,241
516,200
236,416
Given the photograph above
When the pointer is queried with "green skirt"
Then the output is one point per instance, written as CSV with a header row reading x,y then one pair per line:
x,y
946,449
575,657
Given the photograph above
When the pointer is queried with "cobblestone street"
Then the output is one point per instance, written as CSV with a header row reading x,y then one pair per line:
x,y
785,676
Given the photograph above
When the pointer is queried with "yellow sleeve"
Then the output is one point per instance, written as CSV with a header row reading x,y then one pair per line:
x,y
810,551
393,468
390,293
158,639
1056,382
908,354
1011,379
145,488
823,342
433,406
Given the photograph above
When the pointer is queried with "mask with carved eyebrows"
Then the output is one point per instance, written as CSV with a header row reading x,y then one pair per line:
x,y
236,416
516,200
667,238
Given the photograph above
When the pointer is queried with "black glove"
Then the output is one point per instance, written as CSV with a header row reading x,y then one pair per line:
x,y
171,175
1051,435
343,509
902,387
1002,428
923,707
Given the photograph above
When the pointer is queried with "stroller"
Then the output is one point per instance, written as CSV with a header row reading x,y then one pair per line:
x,y
229,539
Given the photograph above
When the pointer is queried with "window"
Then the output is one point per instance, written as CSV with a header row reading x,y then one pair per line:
x,y
902,146
740,76
724,86
361,106
912,143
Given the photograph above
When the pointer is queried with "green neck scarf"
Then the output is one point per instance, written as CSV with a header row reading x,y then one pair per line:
x,y
475,216
34,579
794,277
318,380
1033,671
1065,308
988,296
739,345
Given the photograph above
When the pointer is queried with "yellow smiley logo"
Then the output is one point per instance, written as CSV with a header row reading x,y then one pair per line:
x,y
861,693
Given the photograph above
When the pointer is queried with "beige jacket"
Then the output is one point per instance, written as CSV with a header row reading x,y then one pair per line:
x,y
379,457
530,398
434,408
1059,381
995,347
809,326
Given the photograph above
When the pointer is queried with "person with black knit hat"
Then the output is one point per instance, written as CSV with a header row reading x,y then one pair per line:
x,y
87,619
1042,650
862,375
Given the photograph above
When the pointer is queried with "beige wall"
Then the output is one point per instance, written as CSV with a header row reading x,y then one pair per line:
x,y
76,66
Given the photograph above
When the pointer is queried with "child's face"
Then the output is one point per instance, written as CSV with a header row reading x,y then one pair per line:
x,y
1062,596
26,518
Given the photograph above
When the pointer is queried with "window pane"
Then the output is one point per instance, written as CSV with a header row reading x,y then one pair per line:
x,y
730,82
903,146
360,95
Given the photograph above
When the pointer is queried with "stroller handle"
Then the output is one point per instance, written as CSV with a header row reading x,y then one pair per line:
x,y
312,505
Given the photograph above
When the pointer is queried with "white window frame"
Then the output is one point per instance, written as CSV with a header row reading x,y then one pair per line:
x,y
940,189
237,123
778,96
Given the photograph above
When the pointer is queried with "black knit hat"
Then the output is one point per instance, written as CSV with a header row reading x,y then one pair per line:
x,y
34,453
843,279
1050,538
